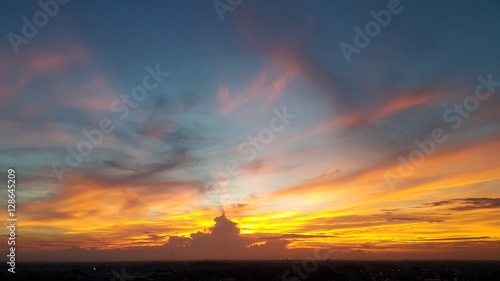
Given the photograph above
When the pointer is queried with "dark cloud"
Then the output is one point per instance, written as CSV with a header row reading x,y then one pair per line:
x,y
390,210
478,203
465,204
156,237
295,236
368,221
224,240
49,216
438,203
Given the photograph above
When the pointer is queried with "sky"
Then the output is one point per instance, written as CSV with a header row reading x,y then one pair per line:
x,y
251,129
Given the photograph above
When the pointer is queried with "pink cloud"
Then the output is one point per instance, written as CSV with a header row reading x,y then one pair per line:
x,y
44,60
18,72
222,93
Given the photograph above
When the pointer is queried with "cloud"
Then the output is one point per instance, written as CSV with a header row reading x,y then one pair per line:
x,y
466,204
222,241
45,60
23,70
298,236
222,93
457,238
478,203
372,113
390,210
247,94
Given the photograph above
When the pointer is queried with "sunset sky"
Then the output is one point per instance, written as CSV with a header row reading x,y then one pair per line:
x,y
247,134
